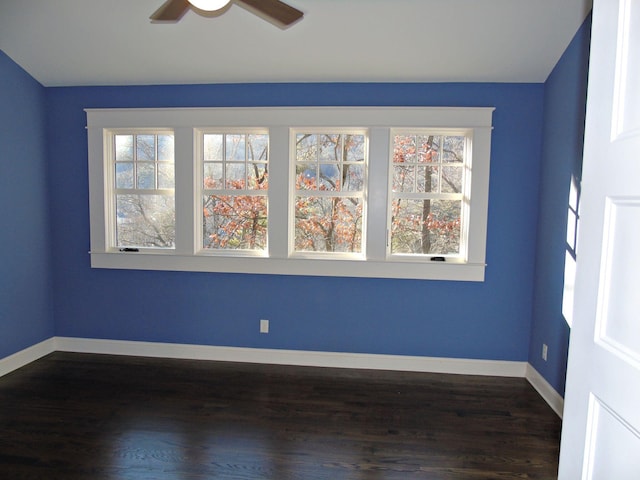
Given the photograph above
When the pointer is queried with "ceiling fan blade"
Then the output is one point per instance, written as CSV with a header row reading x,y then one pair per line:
x,y
170,11
275,11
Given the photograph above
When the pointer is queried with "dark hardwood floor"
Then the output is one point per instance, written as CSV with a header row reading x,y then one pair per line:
x,y
100,417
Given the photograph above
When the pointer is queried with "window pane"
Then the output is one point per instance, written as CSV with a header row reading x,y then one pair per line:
x,y
235,222
146,176
452,179
306,150
403,178
427,180
235,175
453,149
257,176
124,175
258,145
165,148
124,148
426,227
235,147
146,148
330,177
427,148
404,149
145,221
325,224
330,148
306,177
166,175
354,178
354,148
213,175
213,147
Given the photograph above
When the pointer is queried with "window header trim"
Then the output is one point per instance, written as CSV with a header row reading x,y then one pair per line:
x,y
304,117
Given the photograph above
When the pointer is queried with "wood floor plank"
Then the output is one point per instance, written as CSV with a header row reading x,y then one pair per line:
x,y
101,417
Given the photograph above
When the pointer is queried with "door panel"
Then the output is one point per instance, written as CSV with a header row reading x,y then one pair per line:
x,y
616,321
613,450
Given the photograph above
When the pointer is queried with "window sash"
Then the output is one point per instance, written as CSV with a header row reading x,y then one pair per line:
x,y
115,224
231,230
332,236
420,159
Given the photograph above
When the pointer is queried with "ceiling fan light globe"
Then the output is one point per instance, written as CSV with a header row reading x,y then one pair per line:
x,y
209,5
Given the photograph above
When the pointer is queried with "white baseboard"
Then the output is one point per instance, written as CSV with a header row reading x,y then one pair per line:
x,y
26,356
294,357
289,357
544,388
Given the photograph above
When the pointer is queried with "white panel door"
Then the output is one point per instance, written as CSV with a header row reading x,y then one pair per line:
x,y
601,430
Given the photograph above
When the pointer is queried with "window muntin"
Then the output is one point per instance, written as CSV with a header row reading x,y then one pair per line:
x,y
429,175
329,187
142,164
235,173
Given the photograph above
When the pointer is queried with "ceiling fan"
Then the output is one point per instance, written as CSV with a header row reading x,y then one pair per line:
x,y
275,11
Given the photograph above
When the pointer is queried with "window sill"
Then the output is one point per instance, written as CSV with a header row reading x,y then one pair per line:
x,y
290,266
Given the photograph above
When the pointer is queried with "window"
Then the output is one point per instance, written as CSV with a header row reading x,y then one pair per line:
x,y
570,258
142,164
428,193
329,183
235,181
342,191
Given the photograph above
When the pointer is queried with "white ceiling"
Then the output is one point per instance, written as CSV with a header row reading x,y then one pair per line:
x,y
112,42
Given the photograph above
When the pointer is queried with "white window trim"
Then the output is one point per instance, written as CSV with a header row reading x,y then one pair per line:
x,y
378,121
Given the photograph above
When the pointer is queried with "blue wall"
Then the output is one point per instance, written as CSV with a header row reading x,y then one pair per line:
x,y
563,133
537,145
490,320
26,309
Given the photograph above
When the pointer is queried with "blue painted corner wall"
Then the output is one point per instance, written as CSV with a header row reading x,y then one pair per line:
x,y
26,308
563,134
50,289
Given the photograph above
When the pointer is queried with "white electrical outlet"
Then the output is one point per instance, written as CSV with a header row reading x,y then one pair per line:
x,y
545,350
264,326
